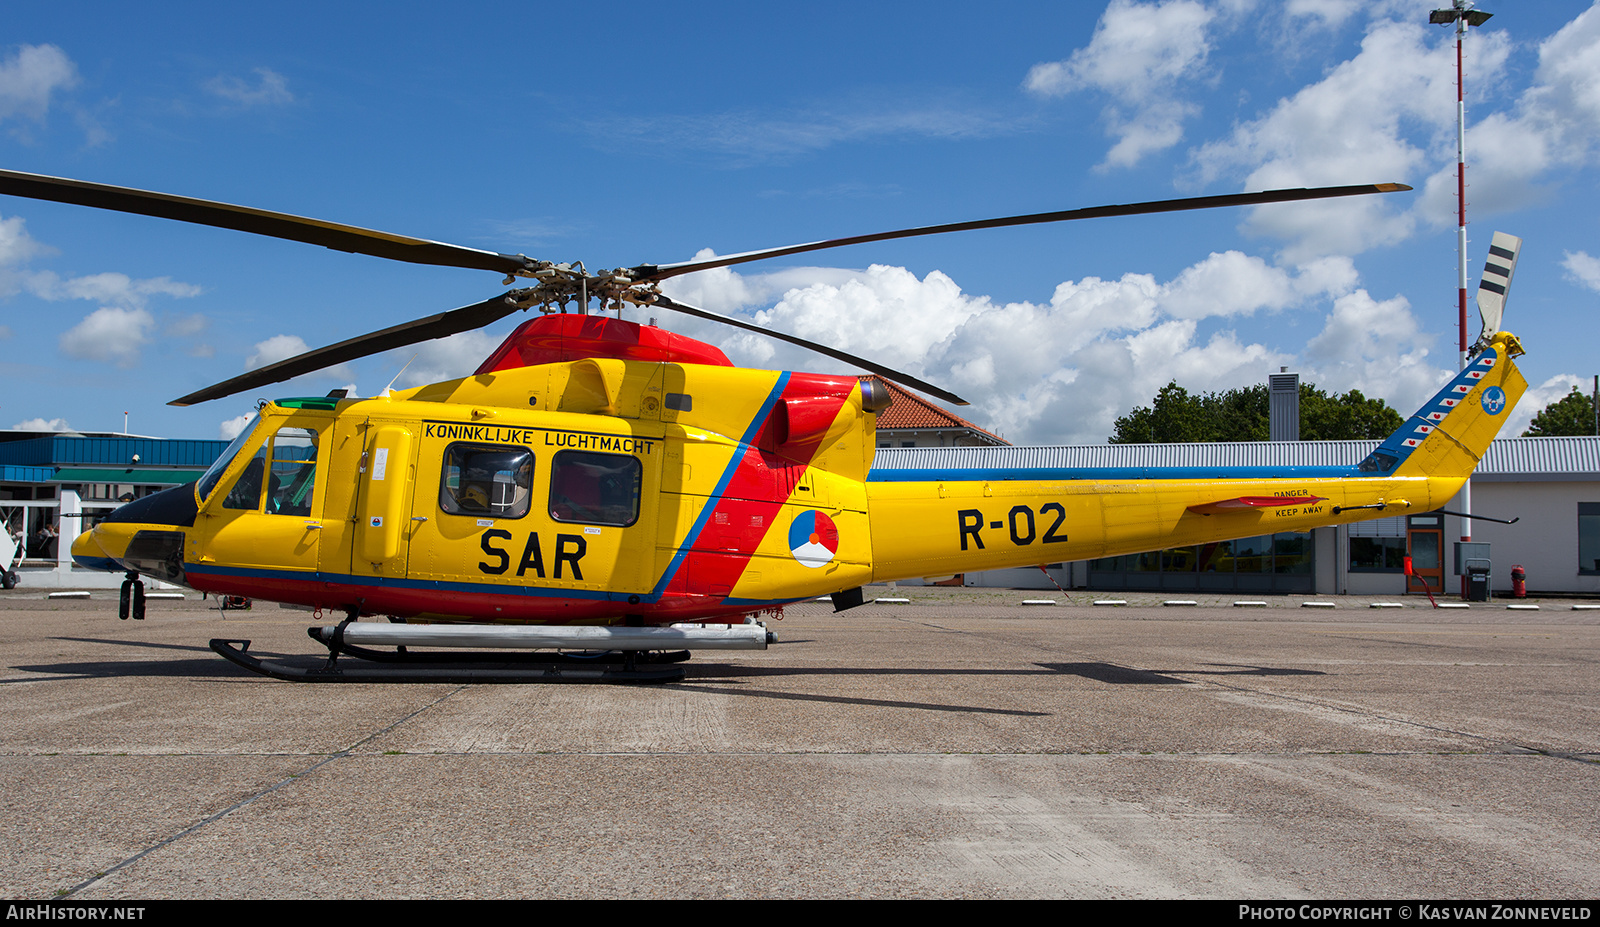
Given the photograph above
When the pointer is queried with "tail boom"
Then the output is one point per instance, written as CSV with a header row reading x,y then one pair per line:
x,y
938,522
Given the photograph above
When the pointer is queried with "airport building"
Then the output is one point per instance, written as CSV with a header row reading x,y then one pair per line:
x,y
53,485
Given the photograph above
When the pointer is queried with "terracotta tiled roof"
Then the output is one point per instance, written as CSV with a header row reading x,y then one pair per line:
x,y
912,411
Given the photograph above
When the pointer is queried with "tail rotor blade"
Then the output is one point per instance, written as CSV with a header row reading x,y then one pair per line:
x,y
1495,284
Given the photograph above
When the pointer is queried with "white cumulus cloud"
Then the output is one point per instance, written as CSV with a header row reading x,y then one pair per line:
x,y
17,248
109,334
282,347
1141,56
29,77
441,359
40,424
1376,346
1582,269
109,288
1062,370
274,349
1537,397
1331,133
228,430
268,89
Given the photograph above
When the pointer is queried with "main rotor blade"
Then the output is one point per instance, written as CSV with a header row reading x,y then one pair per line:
x,y
333,235
467,318
663,271
888,373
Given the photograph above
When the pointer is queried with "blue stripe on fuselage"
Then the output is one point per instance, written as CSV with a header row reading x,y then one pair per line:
x,y
722,484
1001,474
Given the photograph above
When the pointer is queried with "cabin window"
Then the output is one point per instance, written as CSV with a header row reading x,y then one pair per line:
x,y
486,481
595,489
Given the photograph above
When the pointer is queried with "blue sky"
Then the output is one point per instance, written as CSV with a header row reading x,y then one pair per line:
x,y
627,133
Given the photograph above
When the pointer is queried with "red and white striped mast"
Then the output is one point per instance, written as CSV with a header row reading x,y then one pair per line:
x,y
1461,15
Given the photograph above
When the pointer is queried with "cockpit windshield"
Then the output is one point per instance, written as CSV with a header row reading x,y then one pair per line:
x,y
208,480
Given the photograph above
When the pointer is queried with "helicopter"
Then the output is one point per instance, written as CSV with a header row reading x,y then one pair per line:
x,y
601,497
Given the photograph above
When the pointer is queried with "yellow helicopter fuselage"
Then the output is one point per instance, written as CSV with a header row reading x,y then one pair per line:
x,y
640,490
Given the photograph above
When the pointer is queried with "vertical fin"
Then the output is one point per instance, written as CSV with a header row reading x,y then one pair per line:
x,y
1452,431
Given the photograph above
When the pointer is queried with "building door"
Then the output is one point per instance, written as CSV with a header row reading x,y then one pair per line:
x,y
1425,544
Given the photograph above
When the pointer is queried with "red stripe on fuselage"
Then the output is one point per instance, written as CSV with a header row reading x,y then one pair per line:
x,y
764,478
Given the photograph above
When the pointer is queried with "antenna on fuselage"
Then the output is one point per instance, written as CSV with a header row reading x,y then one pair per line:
x,y
397,375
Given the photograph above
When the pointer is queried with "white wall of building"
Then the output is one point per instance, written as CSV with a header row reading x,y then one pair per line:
x,y
1544,541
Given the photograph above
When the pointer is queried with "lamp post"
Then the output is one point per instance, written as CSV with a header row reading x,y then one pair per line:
x,y
1461,15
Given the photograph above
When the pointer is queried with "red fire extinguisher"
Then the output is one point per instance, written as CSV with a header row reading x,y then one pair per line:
x,y
1519,583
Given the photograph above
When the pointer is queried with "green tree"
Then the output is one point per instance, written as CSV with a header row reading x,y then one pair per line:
x,y
1344,418
1175,417
1572,414
1178,417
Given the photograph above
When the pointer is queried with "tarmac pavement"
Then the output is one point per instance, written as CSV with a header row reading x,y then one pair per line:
x,y
962,745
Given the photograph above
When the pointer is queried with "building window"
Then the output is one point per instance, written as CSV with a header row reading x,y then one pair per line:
x,y
1589,538
1378,546
1268,563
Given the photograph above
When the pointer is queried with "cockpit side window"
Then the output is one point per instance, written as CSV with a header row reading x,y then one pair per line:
x,y
246,491
208,480
492,481
292,477
280,478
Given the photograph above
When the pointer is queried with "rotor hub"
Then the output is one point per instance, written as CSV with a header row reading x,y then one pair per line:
x,y
559,284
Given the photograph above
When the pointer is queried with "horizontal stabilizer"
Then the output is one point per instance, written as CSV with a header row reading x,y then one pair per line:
x,y
1253,502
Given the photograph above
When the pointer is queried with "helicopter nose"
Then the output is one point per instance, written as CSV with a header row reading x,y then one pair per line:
x,y
87,553
173,507
144,536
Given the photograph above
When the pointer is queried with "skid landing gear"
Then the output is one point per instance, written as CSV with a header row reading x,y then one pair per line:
x,y
603,655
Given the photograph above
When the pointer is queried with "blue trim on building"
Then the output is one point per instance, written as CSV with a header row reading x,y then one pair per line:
x,y
14,473
113,450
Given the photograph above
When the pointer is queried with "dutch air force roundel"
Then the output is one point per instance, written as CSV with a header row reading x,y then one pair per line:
x,y
813,539
1494,399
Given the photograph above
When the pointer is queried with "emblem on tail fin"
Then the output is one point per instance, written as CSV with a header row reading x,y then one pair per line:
x,y
1494,400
